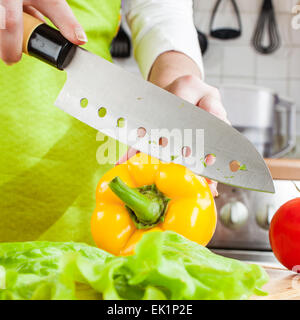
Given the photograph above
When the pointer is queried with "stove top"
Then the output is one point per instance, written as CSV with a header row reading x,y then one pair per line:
x,y
244,216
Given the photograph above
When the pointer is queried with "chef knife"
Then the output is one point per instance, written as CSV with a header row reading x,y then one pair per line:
x,y
138,113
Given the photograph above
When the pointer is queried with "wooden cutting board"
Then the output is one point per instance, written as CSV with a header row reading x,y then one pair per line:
x,y
283,285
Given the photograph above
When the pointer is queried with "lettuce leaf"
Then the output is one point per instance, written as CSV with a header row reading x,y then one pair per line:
x,y
166,266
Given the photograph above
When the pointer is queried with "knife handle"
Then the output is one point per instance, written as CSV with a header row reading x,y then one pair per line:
x,y
46,43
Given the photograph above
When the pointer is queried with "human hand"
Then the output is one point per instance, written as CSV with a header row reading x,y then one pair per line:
x,y
193,89
11,24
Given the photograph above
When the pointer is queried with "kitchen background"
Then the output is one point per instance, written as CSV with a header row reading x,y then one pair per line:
x,y
237,62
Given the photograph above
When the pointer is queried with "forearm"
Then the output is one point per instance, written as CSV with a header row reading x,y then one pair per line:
x,y
161,29
170,66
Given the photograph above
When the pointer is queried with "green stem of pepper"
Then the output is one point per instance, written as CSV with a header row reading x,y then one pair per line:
x,y
147,203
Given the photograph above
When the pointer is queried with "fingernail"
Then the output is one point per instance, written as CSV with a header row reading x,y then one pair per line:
x,y
2,18
80,35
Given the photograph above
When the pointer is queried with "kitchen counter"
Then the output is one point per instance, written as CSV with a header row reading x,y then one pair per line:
x,y
283,285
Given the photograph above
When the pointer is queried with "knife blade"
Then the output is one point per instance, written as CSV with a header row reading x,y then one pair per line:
x,y
113,96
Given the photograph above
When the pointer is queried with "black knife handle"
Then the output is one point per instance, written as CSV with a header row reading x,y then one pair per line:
x,y
46,43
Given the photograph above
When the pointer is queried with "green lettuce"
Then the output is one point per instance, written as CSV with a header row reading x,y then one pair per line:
x,y
166,266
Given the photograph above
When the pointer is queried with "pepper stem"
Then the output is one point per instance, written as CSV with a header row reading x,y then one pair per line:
x,y
148,206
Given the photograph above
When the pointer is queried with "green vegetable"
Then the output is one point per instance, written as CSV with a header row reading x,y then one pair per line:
x,y
165,266
243,167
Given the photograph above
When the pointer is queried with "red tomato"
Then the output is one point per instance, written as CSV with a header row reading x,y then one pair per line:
x,y
284,234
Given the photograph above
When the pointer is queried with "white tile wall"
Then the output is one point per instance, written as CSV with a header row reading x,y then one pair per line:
x,y
213,80
285,29
283,5
278,85
240,80
272,66
294,90
214,63
294,65
236,61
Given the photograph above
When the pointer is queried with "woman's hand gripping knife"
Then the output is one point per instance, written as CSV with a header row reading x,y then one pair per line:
x,y
144,195
11,24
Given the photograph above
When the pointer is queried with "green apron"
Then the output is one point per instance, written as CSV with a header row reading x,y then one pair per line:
x,y
48,166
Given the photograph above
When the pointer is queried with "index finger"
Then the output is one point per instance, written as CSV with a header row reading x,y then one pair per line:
x,y
60,13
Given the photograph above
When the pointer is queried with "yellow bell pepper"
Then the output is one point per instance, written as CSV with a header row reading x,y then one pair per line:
x,y
144,195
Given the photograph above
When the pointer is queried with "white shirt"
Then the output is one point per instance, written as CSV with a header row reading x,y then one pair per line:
x,y
158,26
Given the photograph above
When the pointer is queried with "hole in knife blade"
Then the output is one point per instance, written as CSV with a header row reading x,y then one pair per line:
x,y
121,123
210,159
186,152
141,132
84,102
102,112
234,165
163,141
